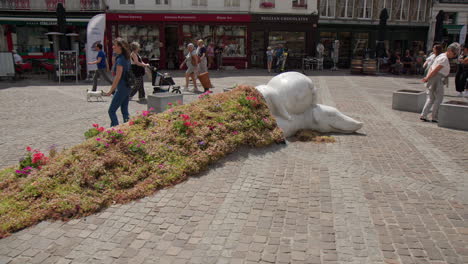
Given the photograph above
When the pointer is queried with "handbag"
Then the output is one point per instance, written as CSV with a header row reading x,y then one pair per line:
x,y
138,71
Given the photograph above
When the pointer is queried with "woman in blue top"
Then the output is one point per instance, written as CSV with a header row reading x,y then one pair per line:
x,y
121,96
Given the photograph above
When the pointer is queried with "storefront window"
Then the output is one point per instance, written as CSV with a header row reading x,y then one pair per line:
x,y
360,45
31,39
147,36
233,40
192,33
293,41
327,39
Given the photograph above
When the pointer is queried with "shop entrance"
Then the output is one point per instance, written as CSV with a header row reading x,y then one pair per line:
x,y
172,40
258,49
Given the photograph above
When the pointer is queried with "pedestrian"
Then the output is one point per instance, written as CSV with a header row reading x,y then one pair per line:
x,y
17,58
440,69
436,51
201,53
211,55
138,68
279,57
407,62
102,66
269,54
462,73
120,84
419,60
191,61
219,56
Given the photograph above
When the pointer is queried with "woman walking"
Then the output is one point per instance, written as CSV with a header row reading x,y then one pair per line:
x,y
120,84
269,54
439,70
436,51
211,55
462,73
138,68
219,56
201,53
191,62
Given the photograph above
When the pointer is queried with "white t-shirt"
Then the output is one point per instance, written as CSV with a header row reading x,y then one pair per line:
x,y
444,61
430,59
17,58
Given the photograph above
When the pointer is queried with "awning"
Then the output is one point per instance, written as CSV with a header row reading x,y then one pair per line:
x,y
453,29
43,21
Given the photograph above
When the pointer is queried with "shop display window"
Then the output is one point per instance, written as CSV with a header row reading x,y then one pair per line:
x,y
361,43
327,39
31,39
192,33
146,35
232,38
293,41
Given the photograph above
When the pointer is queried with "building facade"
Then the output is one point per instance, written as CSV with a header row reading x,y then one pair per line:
x,y
242,28
455,17
25,23
355,23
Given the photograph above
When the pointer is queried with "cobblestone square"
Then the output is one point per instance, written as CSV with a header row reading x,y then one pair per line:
x,y
397,192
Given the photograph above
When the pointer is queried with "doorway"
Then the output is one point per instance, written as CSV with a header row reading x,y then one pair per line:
x,y
172,40
258,49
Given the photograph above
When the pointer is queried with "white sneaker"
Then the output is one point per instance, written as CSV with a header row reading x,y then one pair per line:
x,y
460,94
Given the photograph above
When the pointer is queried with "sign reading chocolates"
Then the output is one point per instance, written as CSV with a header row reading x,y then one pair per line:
x,y
282,19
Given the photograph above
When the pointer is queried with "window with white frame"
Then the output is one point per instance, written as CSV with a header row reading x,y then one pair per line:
x,y
199,2
162,2
299,3
385,4
364,8
267,3
232,3
345,8
327,8
127,2
422,7
400,10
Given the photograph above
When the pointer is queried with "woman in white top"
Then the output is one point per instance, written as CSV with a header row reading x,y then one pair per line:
x,y
436,51
439,70
191,60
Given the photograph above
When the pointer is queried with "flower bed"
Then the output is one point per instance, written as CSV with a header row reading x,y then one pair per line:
x,y
135,159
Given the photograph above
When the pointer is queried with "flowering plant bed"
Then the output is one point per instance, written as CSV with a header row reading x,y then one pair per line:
x,y
135,159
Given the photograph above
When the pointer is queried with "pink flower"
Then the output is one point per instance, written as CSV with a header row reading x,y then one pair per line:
x,y
28,148
235,132
145,113
98,139
95,125
185,117
107,144
143,142
131,123
161,166
131,142
170,104
101,129
151,109
171,110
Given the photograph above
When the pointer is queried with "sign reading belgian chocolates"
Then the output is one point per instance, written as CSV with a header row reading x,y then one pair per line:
x,y
282,19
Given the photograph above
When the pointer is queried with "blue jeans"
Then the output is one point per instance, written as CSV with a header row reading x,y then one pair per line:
x,y
120,99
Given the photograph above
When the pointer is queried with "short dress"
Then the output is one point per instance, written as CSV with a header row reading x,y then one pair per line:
x,y
188,61
269,56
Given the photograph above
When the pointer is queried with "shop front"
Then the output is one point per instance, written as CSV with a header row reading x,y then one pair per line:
x,y
360,41
296,33
165,36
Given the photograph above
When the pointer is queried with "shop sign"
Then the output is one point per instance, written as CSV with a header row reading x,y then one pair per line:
x,y
178,17
282,19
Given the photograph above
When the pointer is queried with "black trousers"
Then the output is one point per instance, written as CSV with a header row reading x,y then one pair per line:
x,y
460,78
139,87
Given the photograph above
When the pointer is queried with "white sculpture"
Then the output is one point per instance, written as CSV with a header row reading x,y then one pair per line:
x,y
292,99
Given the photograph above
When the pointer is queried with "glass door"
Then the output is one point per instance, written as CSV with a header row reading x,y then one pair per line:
x,y
258,49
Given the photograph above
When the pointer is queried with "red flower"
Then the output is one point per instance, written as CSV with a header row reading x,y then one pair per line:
x,y
37,157
185,117
187,124
169,104
95,125
131,123
145,113
100,129
28,148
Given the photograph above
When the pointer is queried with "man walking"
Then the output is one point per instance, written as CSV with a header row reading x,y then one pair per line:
x,y
102,67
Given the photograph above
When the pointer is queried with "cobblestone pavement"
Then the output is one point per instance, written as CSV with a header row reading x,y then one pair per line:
x,y
395,193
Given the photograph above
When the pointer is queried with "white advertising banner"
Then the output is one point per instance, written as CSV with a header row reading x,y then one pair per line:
x,y
95,35
463,35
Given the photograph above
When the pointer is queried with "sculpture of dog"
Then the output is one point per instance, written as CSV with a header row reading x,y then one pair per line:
x,y
94,94
292,99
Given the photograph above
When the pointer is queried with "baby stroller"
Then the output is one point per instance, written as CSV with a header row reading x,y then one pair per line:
x,y
162,82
